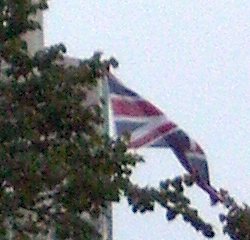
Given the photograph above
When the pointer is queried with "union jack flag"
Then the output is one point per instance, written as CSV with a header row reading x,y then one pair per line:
x,y
150,127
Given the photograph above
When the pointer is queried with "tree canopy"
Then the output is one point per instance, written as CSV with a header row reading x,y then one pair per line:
x,y
56,162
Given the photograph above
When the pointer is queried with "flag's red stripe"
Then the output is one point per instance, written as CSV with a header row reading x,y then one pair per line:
x,y
152,135
196,150
199,149
136,108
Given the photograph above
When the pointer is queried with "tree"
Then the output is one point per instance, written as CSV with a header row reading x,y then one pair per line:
x,y
55,161
236,223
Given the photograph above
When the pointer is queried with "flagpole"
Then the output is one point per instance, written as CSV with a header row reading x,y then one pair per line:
x,y
104,96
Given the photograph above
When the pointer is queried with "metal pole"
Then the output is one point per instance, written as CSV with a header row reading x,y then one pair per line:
x,y
107,220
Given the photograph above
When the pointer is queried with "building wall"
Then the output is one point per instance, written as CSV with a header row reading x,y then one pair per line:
x,y
35,39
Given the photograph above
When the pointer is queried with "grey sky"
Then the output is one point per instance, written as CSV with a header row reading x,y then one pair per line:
x,y
191,59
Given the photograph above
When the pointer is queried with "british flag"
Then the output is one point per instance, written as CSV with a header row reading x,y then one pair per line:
x,y
150,127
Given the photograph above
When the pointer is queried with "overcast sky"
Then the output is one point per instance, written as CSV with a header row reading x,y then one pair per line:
x,y
191,59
